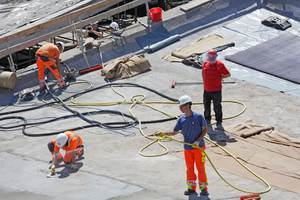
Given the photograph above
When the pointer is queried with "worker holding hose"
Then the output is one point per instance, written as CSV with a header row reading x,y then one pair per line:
x,y
44,58
69,141
194,128
213,73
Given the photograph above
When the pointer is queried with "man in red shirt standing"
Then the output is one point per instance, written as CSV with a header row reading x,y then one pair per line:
x,y
213,73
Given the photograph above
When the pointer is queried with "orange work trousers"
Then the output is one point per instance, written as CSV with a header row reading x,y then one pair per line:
x,y
43,61
68,156
192,157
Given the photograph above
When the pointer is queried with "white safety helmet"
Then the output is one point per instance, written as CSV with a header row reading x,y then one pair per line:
x,y
184,99
94,23
61,140
114,25
62,46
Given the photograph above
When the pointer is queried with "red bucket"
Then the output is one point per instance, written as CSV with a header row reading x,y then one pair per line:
x,y
155,14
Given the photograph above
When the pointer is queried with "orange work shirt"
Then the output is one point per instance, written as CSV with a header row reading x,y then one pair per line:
x,y
71,144
49,50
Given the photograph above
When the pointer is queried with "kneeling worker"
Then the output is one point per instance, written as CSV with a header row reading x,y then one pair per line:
x,y
71,143
44,58
193,127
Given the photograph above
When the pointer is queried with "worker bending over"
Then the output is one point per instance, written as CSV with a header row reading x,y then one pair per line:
x,y
71,143
44,58
213,73
193,127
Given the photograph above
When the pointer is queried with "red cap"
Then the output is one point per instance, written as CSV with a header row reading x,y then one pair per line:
x,y
212,51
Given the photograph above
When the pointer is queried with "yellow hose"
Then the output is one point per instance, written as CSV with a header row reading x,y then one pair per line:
x,y
165,137
158,139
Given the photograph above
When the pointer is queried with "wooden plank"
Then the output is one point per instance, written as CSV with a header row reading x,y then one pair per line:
x,y
193,4
66,17
66,29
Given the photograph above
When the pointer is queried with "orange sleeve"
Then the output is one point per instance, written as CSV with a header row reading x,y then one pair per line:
x,y
49,50
56,148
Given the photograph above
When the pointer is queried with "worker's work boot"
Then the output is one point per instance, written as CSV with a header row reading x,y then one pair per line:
x,y
219,126
189,192
204,192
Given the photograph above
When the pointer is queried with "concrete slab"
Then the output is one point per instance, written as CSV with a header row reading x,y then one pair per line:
x,y
112,167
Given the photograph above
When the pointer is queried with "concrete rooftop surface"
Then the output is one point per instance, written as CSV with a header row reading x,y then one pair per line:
x,y
112,167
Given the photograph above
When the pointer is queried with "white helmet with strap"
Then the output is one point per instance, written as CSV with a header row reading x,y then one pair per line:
x,y
62,46
61,140
114,25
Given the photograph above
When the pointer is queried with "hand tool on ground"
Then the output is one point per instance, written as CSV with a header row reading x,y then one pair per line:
x,y
174,82
250,197
50,175
93,68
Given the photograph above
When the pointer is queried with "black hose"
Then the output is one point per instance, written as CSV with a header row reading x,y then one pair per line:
x,y
109,125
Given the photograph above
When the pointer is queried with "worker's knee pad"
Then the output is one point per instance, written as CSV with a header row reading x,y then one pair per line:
x,y
80,150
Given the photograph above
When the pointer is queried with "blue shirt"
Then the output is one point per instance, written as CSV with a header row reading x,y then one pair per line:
x,y
191,128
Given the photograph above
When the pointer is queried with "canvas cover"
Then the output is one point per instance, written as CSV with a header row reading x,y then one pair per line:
x,y
126,67
201,46
272,155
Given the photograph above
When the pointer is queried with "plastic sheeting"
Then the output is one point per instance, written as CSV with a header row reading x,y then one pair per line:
x,y
247,32
15,15
278,57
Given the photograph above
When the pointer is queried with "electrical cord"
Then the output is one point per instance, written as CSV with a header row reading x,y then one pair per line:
x,y
92,123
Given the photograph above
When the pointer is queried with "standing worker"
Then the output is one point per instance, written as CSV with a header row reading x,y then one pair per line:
x,y
193,127
44,57
71,143
213,73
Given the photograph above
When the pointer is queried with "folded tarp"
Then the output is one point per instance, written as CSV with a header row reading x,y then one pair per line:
x,y
197,48
278,56
126,67
272,155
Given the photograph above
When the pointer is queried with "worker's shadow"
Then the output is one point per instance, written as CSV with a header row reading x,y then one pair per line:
x,y
219,136
67,170
196,197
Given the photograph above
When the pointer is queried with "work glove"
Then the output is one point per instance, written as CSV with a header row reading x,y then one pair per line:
x,y
52,170
161,134
73,166
196,144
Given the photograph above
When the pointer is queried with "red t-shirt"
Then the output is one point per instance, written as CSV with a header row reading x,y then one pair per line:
x,y
212,75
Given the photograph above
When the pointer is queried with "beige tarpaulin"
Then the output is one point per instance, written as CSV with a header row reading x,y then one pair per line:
x,y
126,67
272,155
199,47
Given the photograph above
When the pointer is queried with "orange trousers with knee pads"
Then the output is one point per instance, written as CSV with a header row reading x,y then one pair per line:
x,y
192,157
68,155
43,61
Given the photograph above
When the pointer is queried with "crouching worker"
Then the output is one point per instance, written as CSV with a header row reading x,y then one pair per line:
x,y
71,143
193,128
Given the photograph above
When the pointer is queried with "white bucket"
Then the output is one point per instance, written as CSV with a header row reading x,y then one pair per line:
x,y
8,80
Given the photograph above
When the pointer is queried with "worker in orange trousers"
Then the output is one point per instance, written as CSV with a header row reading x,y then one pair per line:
x,y
44,58
69,141
194,128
